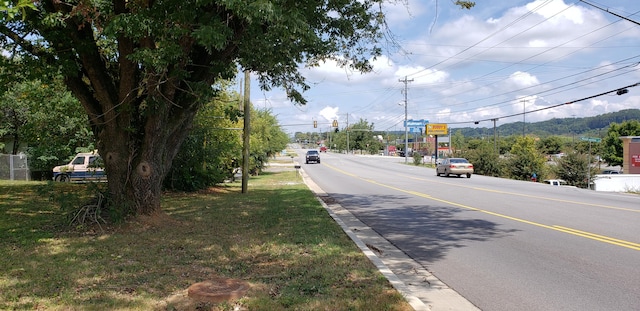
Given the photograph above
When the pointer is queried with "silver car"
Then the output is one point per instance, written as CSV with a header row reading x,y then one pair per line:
x,y
454,166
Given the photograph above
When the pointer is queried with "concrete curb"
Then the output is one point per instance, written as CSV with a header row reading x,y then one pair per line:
x,y
422,290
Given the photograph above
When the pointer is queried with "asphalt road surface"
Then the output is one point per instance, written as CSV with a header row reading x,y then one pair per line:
x,y
502,244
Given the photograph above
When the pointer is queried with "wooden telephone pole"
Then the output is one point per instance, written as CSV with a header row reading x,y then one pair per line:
x,y
246,133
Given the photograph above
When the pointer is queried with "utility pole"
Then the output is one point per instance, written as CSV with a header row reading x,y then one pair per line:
x,y
524,116
246,133
406,133
347,133
495,141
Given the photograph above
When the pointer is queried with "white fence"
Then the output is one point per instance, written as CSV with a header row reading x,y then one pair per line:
x,y
14,167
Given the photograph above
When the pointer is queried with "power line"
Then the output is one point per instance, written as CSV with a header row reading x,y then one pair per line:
x,y
612,13
618,91
558,89
555,47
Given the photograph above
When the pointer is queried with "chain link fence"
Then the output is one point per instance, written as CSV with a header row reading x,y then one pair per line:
x,y
14,167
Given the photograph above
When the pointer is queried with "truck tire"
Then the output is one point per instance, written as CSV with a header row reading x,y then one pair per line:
x,y
63,178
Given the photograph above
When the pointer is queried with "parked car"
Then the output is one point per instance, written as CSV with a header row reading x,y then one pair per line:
x,y
555,182
606,172
84,167
454,166
312,156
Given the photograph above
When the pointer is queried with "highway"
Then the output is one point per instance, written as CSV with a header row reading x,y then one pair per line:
x,y
502,244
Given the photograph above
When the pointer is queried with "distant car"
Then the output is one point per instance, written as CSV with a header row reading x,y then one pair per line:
x,y
323,149
454,166
312,156
84,167
610,172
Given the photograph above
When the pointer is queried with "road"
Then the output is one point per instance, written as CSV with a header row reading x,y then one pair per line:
x,y
502,244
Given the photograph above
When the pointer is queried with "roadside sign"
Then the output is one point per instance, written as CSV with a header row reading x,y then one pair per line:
x,y
416,123
591,139
437,129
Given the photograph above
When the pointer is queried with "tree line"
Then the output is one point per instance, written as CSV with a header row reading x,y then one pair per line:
x,y
564,156
46,122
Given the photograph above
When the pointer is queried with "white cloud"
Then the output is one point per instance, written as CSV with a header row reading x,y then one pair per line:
x,y
557,11
330,113
477,64
520,79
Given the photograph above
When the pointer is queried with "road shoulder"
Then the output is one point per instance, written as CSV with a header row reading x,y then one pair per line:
x,y
422,289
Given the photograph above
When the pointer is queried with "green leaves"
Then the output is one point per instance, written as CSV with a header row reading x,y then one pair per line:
x,y
47,119
465,4
12,9
212,37
525,159
612,144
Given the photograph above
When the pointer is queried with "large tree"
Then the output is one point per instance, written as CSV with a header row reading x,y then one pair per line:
x,y
612,149
525,159
142,68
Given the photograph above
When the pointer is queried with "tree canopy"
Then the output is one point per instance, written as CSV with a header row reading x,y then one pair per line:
x,y
45,120
612,149
142,69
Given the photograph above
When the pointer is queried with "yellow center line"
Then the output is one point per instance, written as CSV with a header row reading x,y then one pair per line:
x,y
601,238
584,234
533,196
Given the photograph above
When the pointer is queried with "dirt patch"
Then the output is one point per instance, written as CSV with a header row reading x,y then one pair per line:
x,y
218,290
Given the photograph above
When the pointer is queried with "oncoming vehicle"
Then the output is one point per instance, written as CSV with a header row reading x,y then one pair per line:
x,y
312,156
454,166
84,167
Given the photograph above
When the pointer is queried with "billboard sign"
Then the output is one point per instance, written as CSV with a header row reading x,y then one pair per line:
x,y
416,123
437,129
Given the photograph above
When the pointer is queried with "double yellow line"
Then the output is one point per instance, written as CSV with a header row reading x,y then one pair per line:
x,y
598,237
584,234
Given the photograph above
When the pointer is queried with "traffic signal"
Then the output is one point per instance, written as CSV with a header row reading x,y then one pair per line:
x,y
315,124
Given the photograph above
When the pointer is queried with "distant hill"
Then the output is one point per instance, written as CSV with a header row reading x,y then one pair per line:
x,y
589,126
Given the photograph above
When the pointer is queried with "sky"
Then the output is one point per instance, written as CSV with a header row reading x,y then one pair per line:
x,y
507,60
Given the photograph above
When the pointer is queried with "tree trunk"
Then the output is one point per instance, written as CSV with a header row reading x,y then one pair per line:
x,y
136,165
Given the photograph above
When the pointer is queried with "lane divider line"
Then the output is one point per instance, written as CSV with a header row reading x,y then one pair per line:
x,y
536,197
584,234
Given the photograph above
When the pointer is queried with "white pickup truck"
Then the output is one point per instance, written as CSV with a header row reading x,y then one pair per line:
x,y
555,182
84,167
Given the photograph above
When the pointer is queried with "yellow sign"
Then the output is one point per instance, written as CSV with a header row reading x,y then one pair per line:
x,y
334,123
437,129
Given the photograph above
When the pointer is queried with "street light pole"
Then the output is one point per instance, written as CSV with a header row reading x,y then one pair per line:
x,y
406,133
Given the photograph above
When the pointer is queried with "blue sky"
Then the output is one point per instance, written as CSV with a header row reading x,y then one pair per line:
x,y
498,59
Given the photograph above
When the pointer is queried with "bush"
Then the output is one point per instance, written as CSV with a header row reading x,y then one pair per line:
x,y
417,158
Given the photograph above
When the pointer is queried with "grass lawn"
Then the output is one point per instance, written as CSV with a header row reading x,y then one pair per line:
x,y
277,237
